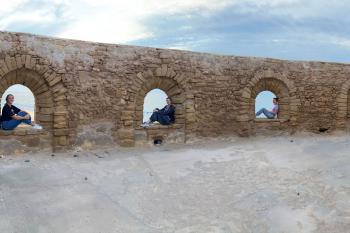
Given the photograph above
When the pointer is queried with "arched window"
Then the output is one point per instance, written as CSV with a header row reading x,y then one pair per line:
x,y
24,98
156,98
264,100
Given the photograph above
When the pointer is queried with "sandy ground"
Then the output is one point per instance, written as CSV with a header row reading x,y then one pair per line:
x,y
284,184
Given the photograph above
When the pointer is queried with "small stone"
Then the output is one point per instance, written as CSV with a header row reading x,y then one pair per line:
x,y
75,155
53,155
85,178
2,156
291,140
27,160
298,194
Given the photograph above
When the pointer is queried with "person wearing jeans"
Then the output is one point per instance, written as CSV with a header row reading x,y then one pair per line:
x,y
270,114
12,124
164,116
13,116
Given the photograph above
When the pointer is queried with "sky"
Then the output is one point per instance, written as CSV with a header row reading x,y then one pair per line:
x,y
285,29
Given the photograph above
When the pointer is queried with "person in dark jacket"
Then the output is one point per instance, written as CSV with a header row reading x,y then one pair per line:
x,y
164,116
13,116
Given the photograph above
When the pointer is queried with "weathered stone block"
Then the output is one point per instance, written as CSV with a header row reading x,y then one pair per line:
x,y
126,134
127,143
61,132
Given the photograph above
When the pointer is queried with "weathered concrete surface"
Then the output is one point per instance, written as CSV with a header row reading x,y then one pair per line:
x,y
239,185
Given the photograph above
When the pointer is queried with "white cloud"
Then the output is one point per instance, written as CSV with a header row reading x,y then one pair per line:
x,y
337,40
312,37
25,12
38,16
123,21
8,6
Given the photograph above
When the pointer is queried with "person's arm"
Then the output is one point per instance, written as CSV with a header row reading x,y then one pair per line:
x,y
16,117
171,110
168,111
161,111
17,110
275,110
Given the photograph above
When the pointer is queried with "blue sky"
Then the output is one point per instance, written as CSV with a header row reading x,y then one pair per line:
x,y
285,29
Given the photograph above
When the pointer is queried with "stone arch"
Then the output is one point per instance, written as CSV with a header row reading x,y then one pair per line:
x,y
30,79
343,108
171,88
278,88
166,79
47,86
277,83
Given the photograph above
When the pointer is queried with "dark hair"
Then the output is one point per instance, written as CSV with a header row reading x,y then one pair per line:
x,y
276,99
169,98
8,96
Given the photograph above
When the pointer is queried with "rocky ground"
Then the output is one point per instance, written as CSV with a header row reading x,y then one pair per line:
x,y
281,184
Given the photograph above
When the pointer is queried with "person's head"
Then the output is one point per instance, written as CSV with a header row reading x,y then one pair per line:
x,y
9,99
168,101
275,100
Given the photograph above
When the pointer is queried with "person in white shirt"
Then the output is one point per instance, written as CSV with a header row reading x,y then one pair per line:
x,y
270,114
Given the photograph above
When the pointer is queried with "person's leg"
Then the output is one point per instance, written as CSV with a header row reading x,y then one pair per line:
x,y
28,121
268,114
154,117
260,111
11,124
164,120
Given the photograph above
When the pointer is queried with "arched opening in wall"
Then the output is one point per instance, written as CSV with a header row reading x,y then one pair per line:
x,y
270,87
156,90
152,94
264,105
154,99
24,98
28,84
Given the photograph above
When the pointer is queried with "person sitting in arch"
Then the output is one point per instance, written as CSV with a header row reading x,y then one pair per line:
x,y
13,116
164,116
270,114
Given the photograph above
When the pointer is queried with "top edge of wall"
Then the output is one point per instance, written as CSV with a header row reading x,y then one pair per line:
x,y
92,43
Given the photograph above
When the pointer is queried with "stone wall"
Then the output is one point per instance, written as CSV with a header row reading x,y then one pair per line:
x,y
79,85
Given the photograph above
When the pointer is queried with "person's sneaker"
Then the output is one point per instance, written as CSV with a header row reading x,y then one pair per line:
x,y
145,125
38,127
